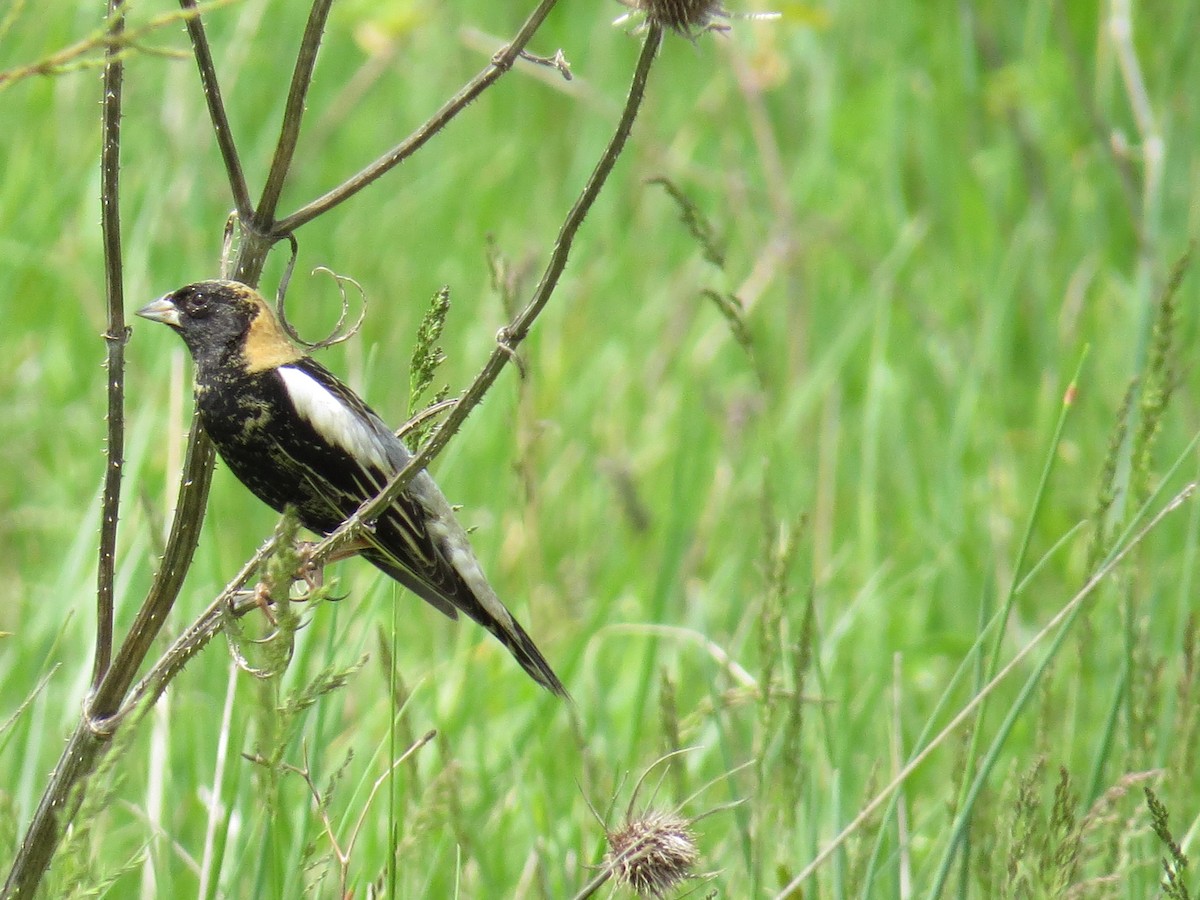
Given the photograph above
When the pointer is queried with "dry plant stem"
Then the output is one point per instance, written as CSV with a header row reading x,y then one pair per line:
x,y
501,63
94,731
84,748
511,336
968,710
293,114
91,737
75,56
216,111
115,337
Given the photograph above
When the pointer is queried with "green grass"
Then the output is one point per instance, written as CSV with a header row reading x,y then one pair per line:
x,y
926,221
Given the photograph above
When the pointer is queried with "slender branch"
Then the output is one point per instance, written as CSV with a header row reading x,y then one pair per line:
x,y
499,65
293,114
181,545
216,111
75,57
115,337
510,336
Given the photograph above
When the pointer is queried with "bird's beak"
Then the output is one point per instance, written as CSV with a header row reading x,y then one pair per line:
x,y
161,310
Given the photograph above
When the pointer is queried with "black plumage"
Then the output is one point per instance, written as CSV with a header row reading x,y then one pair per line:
x,y
295,435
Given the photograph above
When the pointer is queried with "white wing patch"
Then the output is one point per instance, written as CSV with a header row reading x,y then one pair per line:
x,y
332,419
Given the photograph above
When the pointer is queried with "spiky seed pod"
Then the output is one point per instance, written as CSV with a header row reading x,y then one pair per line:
x,y
652,854
686,17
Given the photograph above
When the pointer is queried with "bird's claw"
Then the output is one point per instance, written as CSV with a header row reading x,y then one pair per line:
x,y
312,573
262,599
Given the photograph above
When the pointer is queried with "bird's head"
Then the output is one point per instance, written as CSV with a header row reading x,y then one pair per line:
x,y
223,323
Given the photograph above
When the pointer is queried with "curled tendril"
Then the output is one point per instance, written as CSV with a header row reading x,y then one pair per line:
x,y
340,332
281,644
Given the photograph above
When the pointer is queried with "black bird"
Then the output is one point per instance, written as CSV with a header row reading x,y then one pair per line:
x,y
295,435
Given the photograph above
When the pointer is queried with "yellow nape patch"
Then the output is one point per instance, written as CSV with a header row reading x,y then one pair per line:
x,y
267,347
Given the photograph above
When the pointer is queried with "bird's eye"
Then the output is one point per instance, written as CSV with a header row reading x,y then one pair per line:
x,y
195,305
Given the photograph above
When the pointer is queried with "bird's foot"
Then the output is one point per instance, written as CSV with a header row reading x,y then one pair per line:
x,y
312,571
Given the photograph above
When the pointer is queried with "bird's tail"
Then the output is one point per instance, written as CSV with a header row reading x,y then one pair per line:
x,y
461,597
525,651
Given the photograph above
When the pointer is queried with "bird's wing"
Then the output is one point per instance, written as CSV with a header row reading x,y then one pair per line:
x,y
417,540
355,457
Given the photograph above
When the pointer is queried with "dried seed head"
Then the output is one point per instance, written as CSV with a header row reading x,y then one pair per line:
x,y
653,853
685,17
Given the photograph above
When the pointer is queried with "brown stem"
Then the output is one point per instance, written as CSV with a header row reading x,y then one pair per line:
x,y
500,63
293,115
115,337
188,644
216,111
111,700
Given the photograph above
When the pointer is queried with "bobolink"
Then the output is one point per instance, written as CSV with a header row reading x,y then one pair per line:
x,y
295,435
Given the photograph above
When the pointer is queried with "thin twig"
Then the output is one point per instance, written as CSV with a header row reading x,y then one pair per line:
x,y
216,111
511,336
293,115
60,799
75,56
499,65
115,338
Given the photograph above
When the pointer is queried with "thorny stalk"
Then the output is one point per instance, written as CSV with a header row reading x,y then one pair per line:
x,y
511,335
115,337
84,748
206,626
216,112
499,64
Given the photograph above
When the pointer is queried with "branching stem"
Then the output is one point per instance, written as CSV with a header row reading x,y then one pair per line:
x,y
511,335
293,115
115,338
216,112
500,63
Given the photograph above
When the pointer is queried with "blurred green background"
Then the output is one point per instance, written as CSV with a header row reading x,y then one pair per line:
x,y
933,215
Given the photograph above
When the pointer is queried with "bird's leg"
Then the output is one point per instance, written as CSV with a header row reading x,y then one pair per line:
x,y
311,572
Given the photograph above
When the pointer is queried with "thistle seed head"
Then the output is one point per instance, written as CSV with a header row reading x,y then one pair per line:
x,y
686,17
653,853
